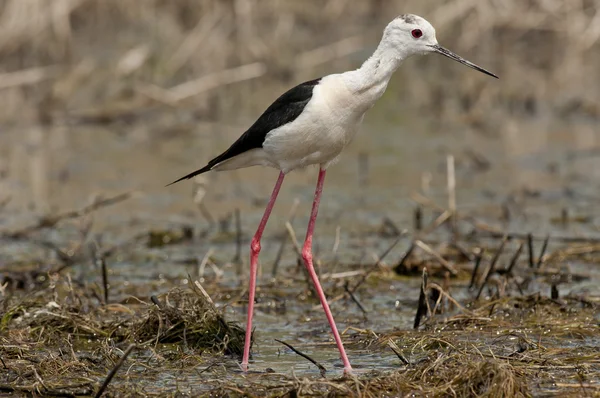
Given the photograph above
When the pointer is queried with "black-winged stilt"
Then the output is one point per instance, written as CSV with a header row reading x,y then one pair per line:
x,y
311,124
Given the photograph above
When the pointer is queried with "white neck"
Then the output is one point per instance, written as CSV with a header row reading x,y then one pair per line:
x,y
373,76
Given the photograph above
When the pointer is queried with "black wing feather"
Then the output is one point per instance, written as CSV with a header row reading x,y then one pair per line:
x,y
284,110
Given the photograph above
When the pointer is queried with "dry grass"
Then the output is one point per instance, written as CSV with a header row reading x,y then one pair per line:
x,y
61,340
186,317
191,320
62,337
104,60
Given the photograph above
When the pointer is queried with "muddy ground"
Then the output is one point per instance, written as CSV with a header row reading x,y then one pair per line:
x,y
494,318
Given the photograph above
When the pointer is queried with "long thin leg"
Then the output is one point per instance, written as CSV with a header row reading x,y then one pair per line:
x,y
308,262
254,250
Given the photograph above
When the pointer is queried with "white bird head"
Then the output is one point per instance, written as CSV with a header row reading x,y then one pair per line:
x,y
412,35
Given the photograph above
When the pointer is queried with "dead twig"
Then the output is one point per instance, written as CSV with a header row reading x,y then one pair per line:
x,y
543,252
437,256
317,364
492,232
205,83
554,292
514,259
440,220
329,52
28,77
530,248
353,298
58,391
402,264
478,258
299,259
51,221
492,267
377,263
102,261
394,347
447,295
292,235
284,238
114,371
418,218
423,305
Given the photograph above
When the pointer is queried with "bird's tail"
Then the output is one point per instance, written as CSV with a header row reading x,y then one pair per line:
x,y
206,168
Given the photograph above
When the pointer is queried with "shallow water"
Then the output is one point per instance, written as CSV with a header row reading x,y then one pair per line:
x,y
529,169
544,166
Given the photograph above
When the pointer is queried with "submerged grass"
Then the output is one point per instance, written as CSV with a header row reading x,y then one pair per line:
x,y
504,338
60,337
186,317
191,319
61,341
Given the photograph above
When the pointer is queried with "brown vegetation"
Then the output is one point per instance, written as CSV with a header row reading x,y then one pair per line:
x,y
107,60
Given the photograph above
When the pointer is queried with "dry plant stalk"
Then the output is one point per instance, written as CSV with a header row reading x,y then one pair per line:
x,y
194,47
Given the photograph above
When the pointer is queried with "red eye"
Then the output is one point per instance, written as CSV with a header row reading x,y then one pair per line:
x,y
416,33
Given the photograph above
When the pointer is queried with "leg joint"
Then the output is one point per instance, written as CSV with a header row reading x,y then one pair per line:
x,y
307,254
255,246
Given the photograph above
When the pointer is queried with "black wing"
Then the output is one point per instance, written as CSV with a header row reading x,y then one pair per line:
x,y
284,110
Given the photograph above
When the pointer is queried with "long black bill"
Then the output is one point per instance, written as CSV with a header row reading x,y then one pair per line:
x,y
444,51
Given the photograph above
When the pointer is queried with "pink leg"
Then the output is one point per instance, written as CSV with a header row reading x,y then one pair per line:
x,y
254,250
308,262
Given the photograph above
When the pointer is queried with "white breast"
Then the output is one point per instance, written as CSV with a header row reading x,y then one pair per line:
x,y
327,125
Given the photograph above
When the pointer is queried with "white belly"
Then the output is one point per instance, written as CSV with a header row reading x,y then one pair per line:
x,y
326,126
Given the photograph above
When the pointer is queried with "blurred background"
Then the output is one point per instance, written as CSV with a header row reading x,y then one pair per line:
x,y
98,97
